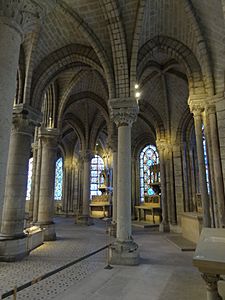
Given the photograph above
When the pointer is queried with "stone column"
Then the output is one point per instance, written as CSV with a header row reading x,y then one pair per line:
x,y
164,226
170,180
217,169
10,37
32,193
85,218
124,250
36,185
197,111
12,227
49,137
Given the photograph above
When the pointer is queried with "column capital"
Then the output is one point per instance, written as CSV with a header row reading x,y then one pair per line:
x,y
25,118
197,109
23,14
123,111
49,136
210,109
161,145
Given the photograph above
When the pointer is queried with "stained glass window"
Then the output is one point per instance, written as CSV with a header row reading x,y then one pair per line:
x,y
58,179
205,158
97,166
29,178
149,159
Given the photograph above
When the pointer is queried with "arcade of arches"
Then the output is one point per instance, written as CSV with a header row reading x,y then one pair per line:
x,y
104,79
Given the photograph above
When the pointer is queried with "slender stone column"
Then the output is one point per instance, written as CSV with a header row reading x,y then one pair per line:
x,y
12,227
49,139
124,251
217,169
164,226
170,172
114,199
36,185
32,193
201,164
85,218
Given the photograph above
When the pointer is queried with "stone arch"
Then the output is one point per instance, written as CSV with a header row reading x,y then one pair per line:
x,y
99,102
119,48
147,108
140,143
184,123
95,43
77,126
57,62
134,53
199,82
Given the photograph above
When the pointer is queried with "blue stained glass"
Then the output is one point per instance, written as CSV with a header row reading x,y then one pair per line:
x,y
97,165
205,158
58,179
148,157
150,192
29,178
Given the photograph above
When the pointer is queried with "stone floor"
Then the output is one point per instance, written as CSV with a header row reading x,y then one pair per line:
x,y
165,273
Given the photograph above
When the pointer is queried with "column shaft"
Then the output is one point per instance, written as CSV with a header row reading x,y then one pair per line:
x,y
47,183
164,226
202,174
9,57
114,199
124,184
217,169
16,182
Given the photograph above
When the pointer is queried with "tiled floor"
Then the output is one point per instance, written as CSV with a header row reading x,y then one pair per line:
x,y
165,273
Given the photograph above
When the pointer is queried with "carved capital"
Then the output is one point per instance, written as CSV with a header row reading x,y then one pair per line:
x,y
25,118
197,110
210,109
49,137
123,111
23,14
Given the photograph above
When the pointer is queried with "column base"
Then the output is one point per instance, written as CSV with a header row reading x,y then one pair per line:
x,y
84,220
212,288
49,231
164,227
124,253
13,249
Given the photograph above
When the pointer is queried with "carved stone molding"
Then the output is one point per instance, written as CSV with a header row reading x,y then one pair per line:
x,y
211,283
49,137
210,109
123,111
25,118
22,14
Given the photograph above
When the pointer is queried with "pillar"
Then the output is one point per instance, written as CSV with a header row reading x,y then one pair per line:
x,y
197,111
36,179
12,236
84,218
217,168
124,250
49,139
10,37
164,225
